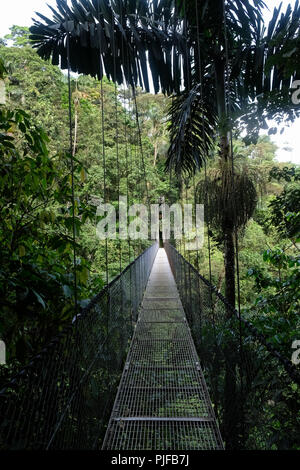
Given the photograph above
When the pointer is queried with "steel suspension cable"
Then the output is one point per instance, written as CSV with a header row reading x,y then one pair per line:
x,y
104,171
228,109
201,76
143,165
125,128
126,153
187,201
228,112
101,70
195,204
139,183
126,162
188,88
118,168
72,174
117,132
186,46
131,138
141,144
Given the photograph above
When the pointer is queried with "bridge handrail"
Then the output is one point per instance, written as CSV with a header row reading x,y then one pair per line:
x,y
47,404
80,316
287,364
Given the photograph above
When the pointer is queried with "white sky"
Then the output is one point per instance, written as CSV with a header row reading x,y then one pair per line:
x,y
20,12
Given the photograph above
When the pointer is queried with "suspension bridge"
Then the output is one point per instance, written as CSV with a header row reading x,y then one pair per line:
x,y
162,401
172,319
159,359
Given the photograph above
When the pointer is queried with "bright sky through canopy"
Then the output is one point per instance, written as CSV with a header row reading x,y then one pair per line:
x,y
20,12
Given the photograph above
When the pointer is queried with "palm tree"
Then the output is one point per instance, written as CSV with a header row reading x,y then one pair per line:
x,y
221,78
236,80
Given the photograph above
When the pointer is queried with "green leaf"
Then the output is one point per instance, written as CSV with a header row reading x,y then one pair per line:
x,y
22,251
39,299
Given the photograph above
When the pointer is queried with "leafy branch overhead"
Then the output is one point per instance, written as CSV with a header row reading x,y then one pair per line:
x,y
250,63
125,34
184,44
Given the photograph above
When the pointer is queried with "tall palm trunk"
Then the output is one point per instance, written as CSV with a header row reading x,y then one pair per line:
x,y
229,250
229,267
231,416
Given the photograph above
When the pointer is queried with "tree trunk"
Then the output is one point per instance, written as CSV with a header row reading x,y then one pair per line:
x,y
228,225
155,153
232,420
232,416
75,131
231,412
229,260
229,250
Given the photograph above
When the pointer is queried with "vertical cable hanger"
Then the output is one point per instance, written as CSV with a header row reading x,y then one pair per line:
x,y
228,110
187,202
101,74
186,46
188,89
195,204
118,167
72,171
206,196
125,132
182,205
139,163
126,150
193,183
103,141
203,139
104,171
130,139
117,131
131,150
127,166
127,143
140,143
177,244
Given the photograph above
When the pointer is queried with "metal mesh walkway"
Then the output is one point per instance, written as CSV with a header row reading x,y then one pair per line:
x,y
162,401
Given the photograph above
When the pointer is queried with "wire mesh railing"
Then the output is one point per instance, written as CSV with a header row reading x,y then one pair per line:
x,y
162,401
253,388
62,398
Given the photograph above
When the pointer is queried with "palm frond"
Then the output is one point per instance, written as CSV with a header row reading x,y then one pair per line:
x,y
113,37
133,40
191,131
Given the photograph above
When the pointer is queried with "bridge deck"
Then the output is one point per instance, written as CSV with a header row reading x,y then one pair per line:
x,y
162,401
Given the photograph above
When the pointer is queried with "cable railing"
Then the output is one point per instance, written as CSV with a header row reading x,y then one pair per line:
x,y
162,401
253,388
62,399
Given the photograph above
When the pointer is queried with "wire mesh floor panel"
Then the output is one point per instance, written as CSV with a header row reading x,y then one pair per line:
x,y
175,435
162,401
166,315
160,303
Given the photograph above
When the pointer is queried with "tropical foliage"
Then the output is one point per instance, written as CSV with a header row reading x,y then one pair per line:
x,y
223,80
37,275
